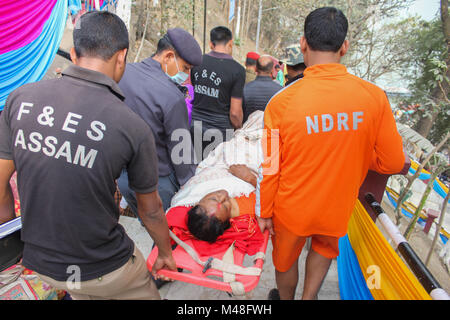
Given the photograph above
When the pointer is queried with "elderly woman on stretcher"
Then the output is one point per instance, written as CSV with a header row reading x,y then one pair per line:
x,y
216,207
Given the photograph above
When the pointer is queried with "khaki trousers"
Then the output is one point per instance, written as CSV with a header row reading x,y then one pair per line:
x,y
132,281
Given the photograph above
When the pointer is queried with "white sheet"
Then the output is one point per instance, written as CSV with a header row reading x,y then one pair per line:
x,y
212,173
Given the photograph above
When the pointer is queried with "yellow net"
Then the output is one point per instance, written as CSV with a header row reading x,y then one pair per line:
x,y
387,276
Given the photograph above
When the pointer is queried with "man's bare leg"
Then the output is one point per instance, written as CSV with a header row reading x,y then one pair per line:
x,y
316,269
287,282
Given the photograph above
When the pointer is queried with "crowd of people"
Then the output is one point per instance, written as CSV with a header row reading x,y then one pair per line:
x,y
144,127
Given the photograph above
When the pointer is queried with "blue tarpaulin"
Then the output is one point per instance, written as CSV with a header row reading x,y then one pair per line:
x,y
352,284
31,62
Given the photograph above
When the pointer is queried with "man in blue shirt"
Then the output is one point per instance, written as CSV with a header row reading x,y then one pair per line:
x,y
258,92
151,90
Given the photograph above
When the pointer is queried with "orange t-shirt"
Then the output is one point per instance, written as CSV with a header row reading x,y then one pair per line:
x,y
331,127
246,204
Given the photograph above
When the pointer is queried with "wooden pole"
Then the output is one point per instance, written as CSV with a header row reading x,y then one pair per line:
x,y
204,28
193,17
238,21
258,28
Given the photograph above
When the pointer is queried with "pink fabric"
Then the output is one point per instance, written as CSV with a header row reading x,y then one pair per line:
x,y
21,22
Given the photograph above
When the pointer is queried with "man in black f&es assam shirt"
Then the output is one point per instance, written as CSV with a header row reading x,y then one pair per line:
x,y
69,139
218,84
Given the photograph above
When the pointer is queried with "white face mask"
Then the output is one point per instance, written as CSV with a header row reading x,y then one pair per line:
x,y
180,77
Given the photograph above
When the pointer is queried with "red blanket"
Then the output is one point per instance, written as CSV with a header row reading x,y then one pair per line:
x,y
244,230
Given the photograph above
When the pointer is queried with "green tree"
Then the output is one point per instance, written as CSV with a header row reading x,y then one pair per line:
x,y
429,69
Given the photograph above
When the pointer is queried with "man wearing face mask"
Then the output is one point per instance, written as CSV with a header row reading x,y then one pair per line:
x,y
152,90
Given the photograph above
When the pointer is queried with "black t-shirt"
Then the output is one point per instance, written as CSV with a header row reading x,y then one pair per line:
x,y
69,139
215,82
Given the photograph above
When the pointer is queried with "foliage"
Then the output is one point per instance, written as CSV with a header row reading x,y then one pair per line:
x,y
165,14
427,69
374,50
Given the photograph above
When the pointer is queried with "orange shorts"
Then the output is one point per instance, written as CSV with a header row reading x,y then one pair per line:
x,y
287,246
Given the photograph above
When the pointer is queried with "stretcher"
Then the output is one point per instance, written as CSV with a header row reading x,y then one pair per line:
x,y
223,271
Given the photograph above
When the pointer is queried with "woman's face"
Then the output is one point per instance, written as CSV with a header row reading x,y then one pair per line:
x,y
217,203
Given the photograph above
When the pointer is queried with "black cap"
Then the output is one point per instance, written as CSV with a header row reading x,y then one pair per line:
x,y
186,46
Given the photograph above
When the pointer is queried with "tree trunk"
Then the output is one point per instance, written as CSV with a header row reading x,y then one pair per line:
x,y
139,26
349,16
243,21
247,20
446,29
136,59
445,22
425,124
440,93
164,17
132,31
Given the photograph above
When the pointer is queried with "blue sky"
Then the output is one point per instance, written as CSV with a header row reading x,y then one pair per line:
x,y
428,9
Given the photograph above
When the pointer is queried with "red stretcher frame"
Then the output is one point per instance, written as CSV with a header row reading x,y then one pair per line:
x,y
196,275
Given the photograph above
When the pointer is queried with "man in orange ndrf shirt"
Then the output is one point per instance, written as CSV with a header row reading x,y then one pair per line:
x,y
322,134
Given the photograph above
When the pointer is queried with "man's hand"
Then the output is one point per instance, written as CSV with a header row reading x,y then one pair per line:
x,y
152,215
6,197
236,113
163,263
265,224
244,173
